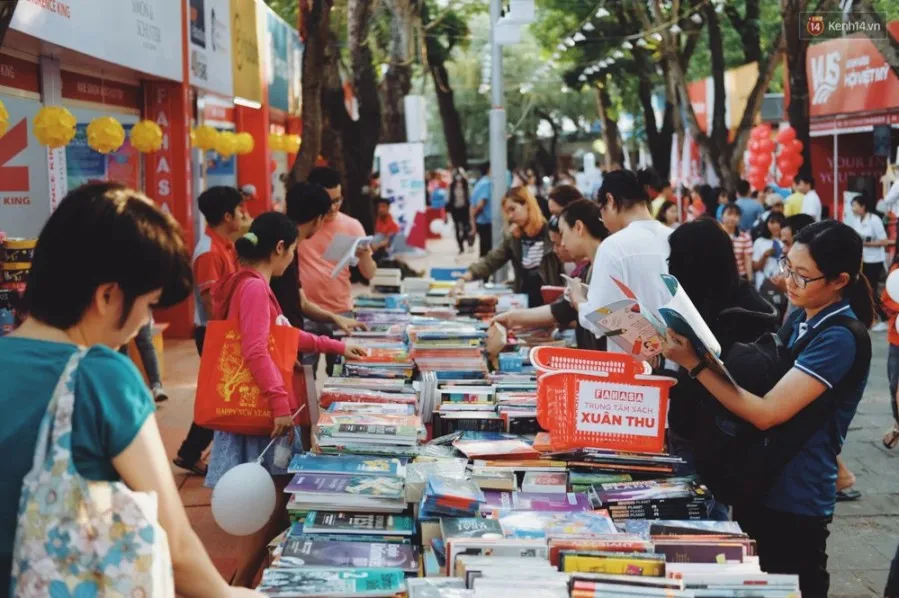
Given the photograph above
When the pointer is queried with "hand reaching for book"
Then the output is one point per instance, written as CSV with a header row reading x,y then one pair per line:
x,y
348,325
354,351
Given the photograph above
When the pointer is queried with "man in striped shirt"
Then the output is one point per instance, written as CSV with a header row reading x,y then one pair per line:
x,y
741,240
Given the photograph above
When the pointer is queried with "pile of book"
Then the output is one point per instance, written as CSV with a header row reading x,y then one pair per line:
x,y
372,433
672,498
451,352
385,359
387,281
481,308
450,497
340,483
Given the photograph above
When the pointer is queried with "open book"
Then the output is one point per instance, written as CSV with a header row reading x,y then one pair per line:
x,y
342,250
642,334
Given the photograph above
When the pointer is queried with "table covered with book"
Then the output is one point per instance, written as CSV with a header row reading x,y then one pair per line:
x,y
437,470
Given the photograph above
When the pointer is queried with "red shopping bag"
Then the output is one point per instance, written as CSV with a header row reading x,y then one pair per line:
x,y
228,398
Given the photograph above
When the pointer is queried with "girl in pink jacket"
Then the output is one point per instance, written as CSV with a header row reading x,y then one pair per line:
x,y
265,252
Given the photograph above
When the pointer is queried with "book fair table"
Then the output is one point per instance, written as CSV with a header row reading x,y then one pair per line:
x,y
430,475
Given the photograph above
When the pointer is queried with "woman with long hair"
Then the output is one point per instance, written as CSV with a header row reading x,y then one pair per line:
x,y
668,214
265,252
581,231
460,208
869,226
526,246
80,314
824,279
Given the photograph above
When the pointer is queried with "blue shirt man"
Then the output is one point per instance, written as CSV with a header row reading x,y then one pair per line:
x,y
751,210
481,193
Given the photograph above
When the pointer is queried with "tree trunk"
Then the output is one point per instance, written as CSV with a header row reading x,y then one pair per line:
x,y
613,156
548,158
6,11
718,133
886,44
398,80
449,116
797,48
316,21
748,28
659,140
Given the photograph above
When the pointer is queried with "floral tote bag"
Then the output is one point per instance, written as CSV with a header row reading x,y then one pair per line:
x,y
78,538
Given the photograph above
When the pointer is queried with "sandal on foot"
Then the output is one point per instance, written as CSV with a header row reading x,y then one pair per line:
x,y
891,438
196,468
849,494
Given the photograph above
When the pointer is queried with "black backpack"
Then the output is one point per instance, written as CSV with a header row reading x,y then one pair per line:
x,y
737,461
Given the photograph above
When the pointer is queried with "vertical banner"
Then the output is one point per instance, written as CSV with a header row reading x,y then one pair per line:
x,y
276,63
167,176
210,46
295,73
403,180
23,172
245,51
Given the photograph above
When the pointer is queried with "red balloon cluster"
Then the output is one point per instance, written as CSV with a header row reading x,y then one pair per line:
x,y
789,158
760,150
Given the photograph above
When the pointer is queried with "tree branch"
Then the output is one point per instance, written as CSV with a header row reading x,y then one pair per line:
x,y
888,46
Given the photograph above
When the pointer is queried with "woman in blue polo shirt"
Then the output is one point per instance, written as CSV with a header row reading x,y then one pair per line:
x,y
824,279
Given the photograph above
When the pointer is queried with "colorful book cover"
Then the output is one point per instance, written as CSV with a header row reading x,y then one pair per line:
x,y
322,553
521,501
454,489
553,482
470,527
341,484
358,523
309,463
299,583
541,524
705,552
647,565
497,449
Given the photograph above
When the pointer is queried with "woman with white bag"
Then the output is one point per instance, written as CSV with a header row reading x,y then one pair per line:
x,y
88,505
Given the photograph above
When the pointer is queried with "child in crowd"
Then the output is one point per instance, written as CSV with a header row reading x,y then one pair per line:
x,y
740,239
265,252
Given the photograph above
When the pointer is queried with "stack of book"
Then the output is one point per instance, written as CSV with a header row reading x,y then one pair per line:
x,y
390,301
384,359
417,287
673,498
451,352
722,584
347,432
450,497
609,461
481,308
387,281
498,501
294,583
548,524
326,483
344,539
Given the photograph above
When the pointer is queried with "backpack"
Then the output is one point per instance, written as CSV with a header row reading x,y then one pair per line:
x,y
737,461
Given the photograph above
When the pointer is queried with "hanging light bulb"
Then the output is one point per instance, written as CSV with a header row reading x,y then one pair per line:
x,y
556,56
618,54
696,18
641,42
569,41
657,36
579,37
602,13
719,8
582,78
588,26
561,47
610,61
627,45
675,29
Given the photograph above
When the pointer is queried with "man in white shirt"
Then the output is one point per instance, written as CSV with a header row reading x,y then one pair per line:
x,y
811,202
636,253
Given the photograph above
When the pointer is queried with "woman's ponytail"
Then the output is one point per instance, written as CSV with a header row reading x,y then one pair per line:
x,y
265,233
837,249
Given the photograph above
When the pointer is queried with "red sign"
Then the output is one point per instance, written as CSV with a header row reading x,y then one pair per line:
x,y
696,91
214,112
19,74
849,75
85,88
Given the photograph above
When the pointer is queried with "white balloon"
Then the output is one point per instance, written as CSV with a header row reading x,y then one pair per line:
x,y
244,499
437,227
893,285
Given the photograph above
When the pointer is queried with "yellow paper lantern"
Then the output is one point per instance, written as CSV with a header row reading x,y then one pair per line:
x,y
226,144
146,136
105,134
292,143
54,126
4,119
193,138
275,142
205,137
245,143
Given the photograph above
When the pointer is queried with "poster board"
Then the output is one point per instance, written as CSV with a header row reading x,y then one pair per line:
x,y
24,206
403,180
84,165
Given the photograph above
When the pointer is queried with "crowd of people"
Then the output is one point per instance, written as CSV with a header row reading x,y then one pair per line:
x,y
750,265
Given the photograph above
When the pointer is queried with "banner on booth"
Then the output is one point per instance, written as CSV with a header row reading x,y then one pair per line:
x,y
146,35
277,34
23,173
403,180
210,46
245,50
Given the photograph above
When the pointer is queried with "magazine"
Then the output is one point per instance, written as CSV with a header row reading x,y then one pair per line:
x,y
342,251
332,582
313,552
639,332
357,523
309,463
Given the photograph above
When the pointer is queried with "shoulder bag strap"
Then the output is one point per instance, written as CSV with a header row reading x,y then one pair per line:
x,y
59,414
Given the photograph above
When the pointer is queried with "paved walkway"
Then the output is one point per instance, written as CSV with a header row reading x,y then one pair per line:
x,y
864,534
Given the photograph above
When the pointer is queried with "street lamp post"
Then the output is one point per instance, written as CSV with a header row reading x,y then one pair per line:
x,y
498,158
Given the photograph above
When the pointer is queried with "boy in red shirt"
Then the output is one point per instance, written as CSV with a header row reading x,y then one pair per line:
x,y
385,228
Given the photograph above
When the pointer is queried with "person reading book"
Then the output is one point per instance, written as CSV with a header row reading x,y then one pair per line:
x,y
138,261
582,232
265,252
526,247
635,253
824,279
